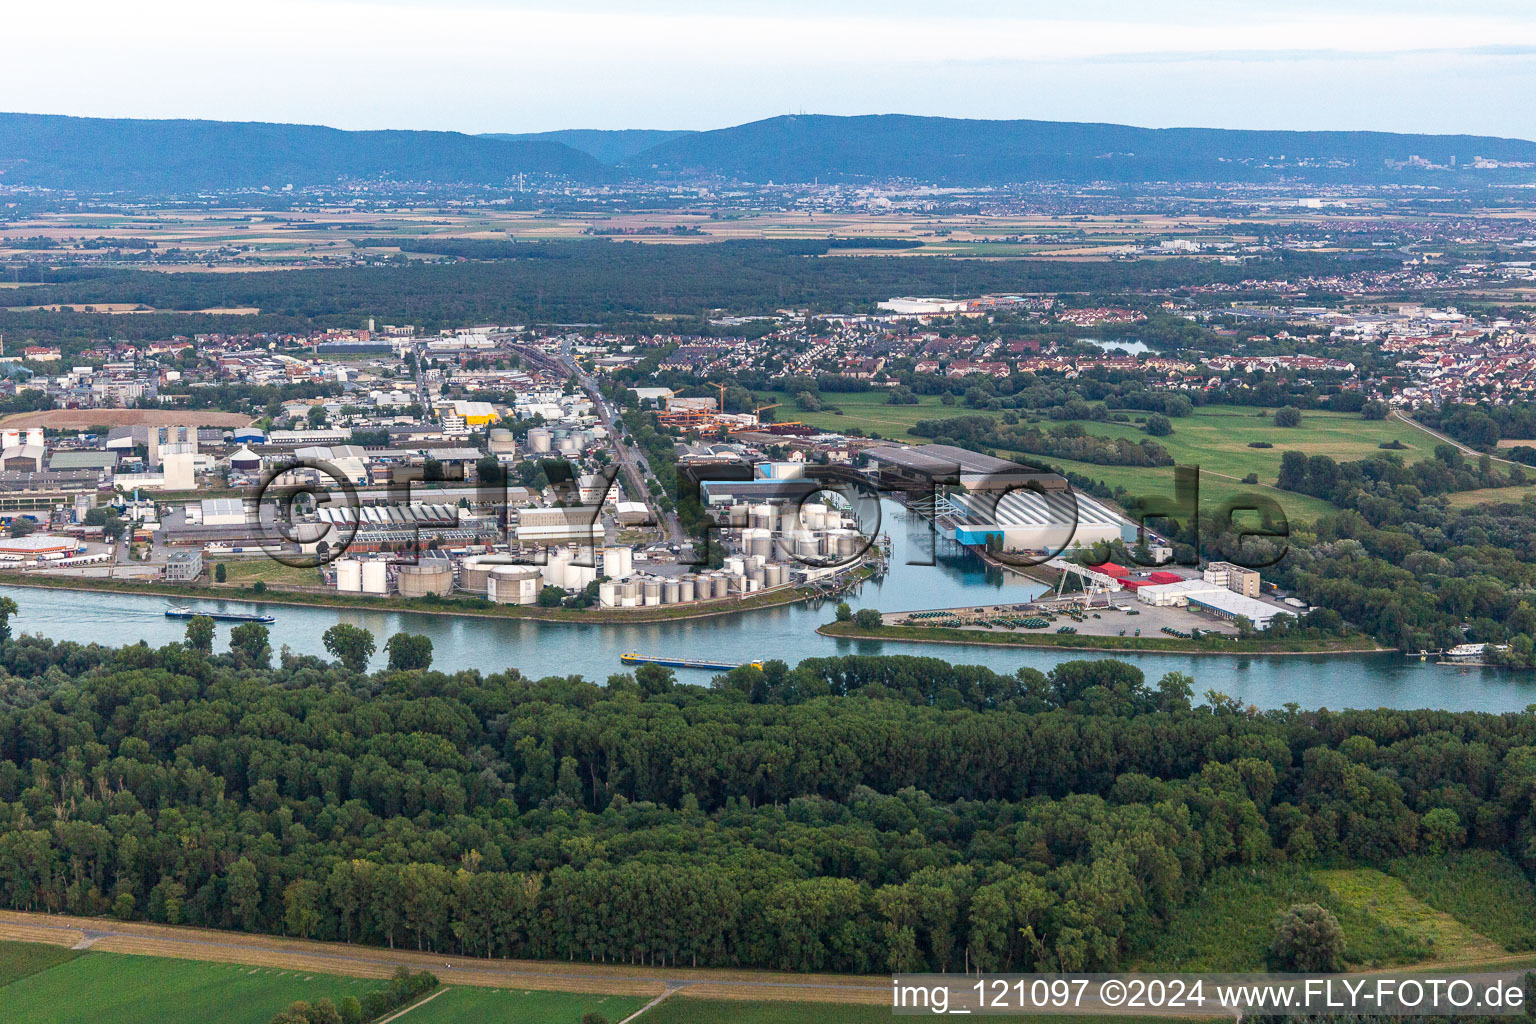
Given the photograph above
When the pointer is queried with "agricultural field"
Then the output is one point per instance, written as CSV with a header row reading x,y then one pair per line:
x,y
680,1009
93,988
22,959
867,411
1379,896
242,572
462,1005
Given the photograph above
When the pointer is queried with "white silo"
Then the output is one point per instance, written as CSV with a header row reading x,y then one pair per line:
x,y
670,592
618,562
685,588
539,439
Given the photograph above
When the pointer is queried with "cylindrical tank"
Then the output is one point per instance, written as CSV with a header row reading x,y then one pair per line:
x,y
722,585
474,571
813,516
685,588
434,577
760,517
514,584
758,542
670,591
629,593
569,446
375,578
607,594
773,574
539,439
349,575
578,576
650,591
758,576
618,562
736,584
735,565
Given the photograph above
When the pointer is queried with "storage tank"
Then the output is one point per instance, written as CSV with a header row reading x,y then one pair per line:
x,y
761,517
618,562
433,577
670,592
773,574
514,584
539,439
569,446
736,584
757,575
813,516
722,587
629,593
758,542
685,588
375,578
474,571
650,592
735,565
607,594
349,576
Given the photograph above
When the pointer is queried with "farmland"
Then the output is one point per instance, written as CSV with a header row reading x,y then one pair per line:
x,y
527,1006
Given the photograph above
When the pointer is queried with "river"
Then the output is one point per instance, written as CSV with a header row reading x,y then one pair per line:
x,y
956,578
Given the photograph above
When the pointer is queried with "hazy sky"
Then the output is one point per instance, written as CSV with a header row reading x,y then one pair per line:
x,y
508,65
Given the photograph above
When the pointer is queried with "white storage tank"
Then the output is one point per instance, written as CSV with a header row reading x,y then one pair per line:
x,y
474,571
735,565
670,592
650,591
607,594
349,576
514,584
618,562
375,577
539,439
685,588
773,574
430,577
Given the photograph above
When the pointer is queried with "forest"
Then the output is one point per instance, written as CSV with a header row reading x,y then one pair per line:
x,y
613,282
844,814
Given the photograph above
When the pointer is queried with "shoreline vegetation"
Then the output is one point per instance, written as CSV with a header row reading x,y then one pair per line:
x,y
460,606
1080,642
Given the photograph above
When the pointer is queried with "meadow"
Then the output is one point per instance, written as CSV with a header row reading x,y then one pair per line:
x,y
473,1005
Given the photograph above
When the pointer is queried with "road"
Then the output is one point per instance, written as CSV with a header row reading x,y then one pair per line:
x,y
1465,450
107,935
632,462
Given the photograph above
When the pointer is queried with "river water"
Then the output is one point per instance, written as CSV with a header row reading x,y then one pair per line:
x,y
952,579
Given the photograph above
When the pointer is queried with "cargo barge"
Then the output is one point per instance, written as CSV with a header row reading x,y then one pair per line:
x,y
631,658
188,613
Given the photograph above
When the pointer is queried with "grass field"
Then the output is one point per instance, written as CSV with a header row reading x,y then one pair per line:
x,y
1229,924
95,988
22,959
1214,437
245,571
1483,890
1490,496
1389,901
462,1005
682,1010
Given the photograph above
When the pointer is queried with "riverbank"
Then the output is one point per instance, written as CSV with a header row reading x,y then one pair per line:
x,y
1113,644
468,607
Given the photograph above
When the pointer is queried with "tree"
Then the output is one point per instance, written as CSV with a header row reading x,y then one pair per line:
x,y
200,634
301,907
654,679
409,652
21,527
8,608
220,572
1159,425
1288,416
251,645
1308,939
844,612
551,597
350,645
868,618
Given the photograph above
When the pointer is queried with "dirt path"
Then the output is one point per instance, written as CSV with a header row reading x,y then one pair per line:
x,y
408,1009
371,962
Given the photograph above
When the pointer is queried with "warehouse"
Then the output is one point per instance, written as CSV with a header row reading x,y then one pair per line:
x,y
1026,520
1224,604
912,466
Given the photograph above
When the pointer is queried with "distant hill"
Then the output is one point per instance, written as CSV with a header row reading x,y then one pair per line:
x,y
610,147
106,154
954,151
101,155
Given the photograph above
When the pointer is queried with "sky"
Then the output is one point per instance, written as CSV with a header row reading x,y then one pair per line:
x,y
1468,66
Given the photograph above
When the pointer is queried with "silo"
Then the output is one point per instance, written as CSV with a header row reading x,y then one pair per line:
x,y
760,544
758,576
432,577
736,584
514,584
538,440
650,591
685,588
375,578
773,574
735,565
555,569
607,594
670,592
578,576
761,517
738,516
349,576
569,446
813,516
722,587
629,593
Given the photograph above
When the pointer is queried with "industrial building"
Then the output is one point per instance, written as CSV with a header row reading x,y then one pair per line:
x,y
1236,578
1028,520
1224,604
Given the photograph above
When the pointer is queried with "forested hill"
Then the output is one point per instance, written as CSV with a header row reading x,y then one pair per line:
x,y
95,154
144,156
958,151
